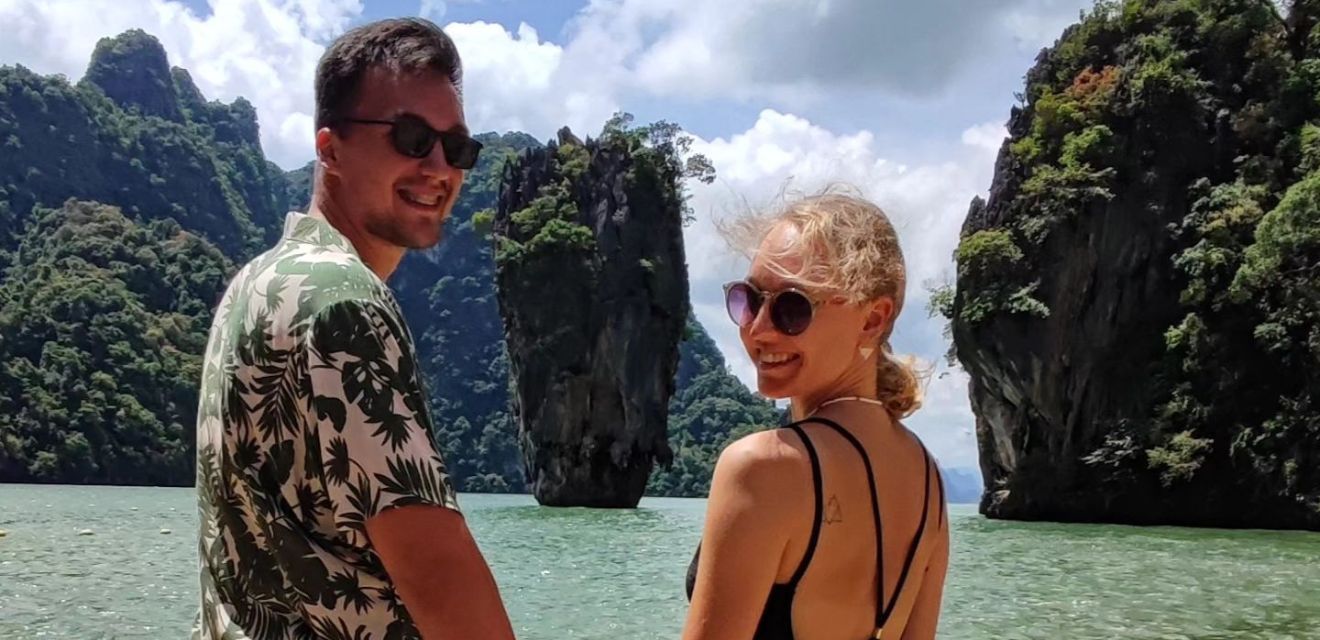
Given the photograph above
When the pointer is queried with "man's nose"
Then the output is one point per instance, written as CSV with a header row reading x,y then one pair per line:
x,y
436,165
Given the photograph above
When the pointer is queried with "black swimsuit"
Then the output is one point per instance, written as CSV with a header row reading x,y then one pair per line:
x,y
777,617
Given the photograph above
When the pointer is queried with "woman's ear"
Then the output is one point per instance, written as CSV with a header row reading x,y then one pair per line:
x,y
879,319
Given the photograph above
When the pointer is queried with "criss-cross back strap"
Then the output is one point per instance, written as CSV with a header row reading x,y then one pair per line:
x,y
884,607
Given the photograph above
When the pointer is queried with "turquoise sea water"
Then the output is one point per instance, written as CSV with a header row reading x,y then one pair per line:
x,y
579,573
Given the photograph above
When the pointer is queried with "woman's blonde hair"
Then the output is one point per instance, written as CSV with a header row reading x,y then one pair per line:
x,y
852,252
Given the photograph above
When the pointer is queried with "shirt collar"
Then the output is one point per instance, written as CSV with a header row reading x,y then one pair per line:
x,y
301,227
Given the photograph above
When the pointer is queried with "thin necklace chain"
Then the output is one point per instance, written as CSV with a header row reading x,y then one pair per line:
x,y
873,401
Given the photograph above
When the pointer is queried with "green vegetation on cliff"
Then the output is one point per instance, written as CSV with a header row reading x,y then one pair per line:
x,y
102,323
1193,128
548,225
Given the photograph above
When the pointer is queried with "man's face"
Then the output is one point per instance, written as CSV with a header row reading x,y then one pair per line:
x,y
398,199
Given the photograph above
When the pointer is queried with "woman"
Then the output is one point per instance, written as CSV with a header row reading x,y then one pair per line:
x,y
796,514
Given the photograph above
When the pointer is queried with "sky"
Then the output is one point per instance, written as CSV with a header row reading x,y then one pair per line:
x,y
905,102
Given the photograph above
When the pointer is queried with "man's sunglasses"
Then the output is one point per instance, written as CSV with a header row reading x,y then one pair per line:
x,y
791,310
414,138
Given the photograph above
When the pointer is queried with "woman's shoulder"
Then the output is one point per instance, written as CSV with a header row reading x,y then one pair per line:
x,y
771,445
764,459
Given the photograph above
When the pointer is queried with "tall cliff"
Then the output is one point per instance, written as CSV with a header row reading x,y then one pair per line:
x,y
594,293
1137,302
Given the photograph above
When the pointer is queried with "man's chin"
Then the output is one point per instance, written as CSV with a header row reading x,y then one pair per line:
x,y
425,242
420,239
412,234
427,232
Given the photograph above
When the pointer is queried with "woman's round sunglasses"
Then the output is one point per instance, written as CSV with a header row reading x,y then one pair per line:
x,y
790,309
412,137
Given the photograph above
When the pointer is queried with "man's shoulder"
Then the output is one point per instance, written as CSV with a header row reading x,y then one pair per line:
x,y
298,281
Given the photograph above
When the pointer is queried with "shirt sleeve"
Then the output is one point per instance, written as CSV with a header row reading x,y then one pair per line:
x,y
372,426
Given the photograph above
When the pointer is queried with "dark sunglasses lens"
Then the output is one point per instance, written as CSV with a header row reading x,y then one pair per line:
x,y
791,313
460,151
413,138
739,301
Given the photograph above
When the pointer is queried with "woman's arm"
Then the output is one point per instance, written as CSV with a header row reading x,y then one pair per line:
x,y
752,498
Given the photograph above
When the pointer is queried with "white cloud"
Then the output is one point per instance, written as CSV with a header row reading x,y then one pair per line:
x,y
516,82
989,136
1039,23
790,51
320,20
925,202
433,10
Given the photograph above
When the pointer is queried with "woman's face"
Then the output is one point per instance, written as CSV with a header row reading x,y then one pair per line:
x,y
820,359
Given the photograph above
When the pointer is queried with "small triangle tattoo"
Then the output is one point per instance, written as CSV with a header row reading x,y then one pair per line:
x,y
833,513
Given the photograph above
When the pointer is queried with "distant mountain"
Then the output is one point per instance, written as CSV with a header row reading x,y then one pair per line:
x,y
962,486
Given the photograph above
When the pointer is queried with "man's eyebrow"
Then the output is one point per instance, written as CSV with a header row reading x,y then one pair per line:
x,y
461,127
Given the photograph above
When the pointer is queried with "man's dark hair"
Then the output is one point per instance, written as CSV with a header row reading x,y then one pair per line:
x,y
397,44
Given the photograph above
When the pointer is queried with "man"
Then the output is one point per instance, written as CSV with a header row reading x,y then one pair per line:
x,y
326,511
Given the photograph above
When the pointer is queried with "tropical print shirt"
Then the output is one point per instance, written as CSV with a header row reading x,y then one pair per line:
x,y
312,419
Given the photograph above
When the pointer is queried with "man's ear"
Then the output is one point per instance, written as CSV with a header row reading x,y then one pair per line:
x,y
327,150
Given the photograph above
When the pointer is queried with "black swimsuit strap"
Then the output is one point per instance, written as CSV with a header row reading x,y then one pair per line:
x,y
881,609
885,608
916,539
939,482
815,522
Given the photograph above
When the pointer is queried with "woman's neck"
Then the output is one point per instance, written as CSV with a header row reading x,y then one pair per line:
x,y
807,404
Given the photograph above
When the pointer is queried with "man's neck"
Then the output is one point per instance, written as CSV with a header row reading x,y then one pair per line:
x,y
379,256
